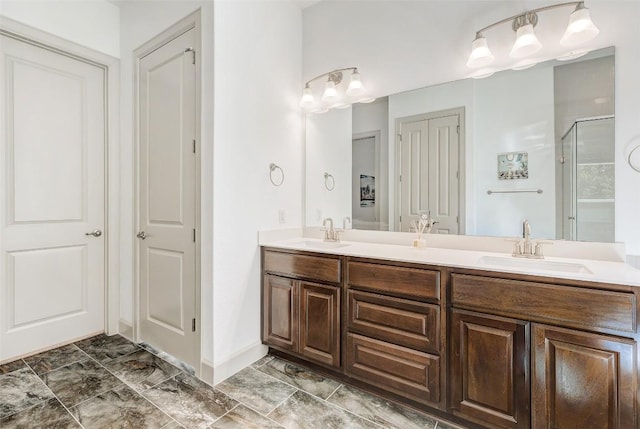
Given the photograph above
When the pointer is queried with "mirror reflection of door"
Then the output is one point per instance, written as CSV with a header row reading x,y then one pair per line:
x,y
428,174
365,205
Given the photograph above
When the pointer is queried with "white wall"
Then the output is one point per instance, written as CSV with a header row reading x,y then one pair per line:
x,y
257,119
402,46
504,123
328,150
93,24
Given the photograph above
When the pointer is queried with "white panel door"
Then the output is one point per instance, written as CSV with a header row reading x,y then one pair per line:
x,y
53,180
167,169
414,172
428,177
443,173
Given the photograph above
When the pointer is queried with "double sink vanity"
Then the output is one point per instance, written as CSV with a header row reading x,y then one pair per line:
x,y
461,329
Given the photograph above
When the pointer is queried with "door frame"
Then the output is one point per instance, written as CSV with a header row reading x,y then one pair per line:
x,y
191,21
375,135
460,111
111,68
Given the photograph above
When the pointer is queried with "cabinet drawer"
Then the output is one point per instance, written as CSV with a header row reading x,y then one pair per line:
x,y
405,372
304,266
401,281
555,304
399,321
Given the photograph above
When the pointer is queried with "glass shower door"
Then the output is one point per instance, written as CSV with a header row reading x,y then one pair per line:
x,y
588,180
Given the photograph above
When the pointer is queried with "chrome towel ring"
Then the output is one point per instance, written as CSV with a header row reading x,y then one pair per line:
x,y
635,167
329,182
273,167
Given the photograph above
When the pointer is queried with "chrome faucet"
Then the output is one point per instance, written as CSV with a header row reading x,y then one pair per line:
x,y
526,248
330,234
345,221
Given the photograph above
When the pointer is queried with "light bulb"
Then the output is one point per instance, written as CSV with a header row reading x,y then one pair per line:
x,y
526,42
330,92
307,99
355,84
580,29
480,54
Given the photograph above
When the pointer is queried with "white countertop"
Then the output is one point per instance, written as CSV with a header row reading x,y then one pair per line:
x,y
592,270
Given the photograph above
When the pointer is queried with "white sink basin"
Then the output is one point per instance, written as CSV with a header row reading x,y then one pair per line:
x,y
535,264
320,244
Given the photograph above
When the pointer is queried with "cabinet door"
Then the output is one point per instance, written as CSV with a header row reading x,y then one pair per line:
x,y
280,313
320,323
490,369
582,380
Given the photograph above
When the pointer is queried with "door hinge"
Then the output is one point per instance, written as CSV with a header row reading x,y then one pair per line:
x,y
194,235
457,219
400,219
194,53
457,174
194,145
458,129
400,178
193,325
400,137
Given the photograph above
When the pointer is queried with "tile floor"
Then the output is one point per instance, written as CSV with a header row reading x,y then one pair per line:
x,y
109,382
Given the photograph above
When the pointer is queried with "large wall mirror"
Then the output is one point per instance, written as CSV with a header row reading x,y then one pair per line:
x,y
479,155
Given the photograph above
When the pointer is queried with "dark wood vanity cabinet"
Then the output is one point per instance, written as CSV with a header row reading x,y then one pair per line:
x,y
490,380
492,350
301,305
583,380
582,352
393,329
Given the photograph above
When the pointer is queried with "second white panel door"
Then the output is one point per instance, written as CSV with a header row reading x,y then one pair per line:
x,y
166,200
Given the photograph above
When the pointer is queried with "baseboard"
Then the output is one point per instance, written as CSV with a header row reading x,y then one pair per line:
x,y
206,371
238,361
126,330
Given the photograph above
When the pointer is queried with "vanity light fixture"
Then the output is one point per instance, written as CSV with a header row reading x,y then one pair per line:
x,y
334,96
580,30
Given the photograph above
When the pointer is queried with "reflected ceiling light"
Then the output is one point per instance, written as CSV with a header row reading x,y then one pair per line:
x,y
523,65
572,55
334,94
580,30
367,100
481,74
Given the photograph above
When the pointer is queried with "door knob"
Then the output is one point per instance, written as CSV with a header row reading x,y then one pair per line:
x,y
95,233
141,235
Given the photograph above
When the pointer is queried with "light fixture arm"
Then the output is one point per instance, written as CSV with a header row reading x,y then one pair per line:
x,y
531,14
335,76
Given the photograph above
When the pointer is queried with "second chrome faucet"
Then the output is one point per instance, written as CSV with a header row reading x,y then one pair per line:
x,y
525,248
